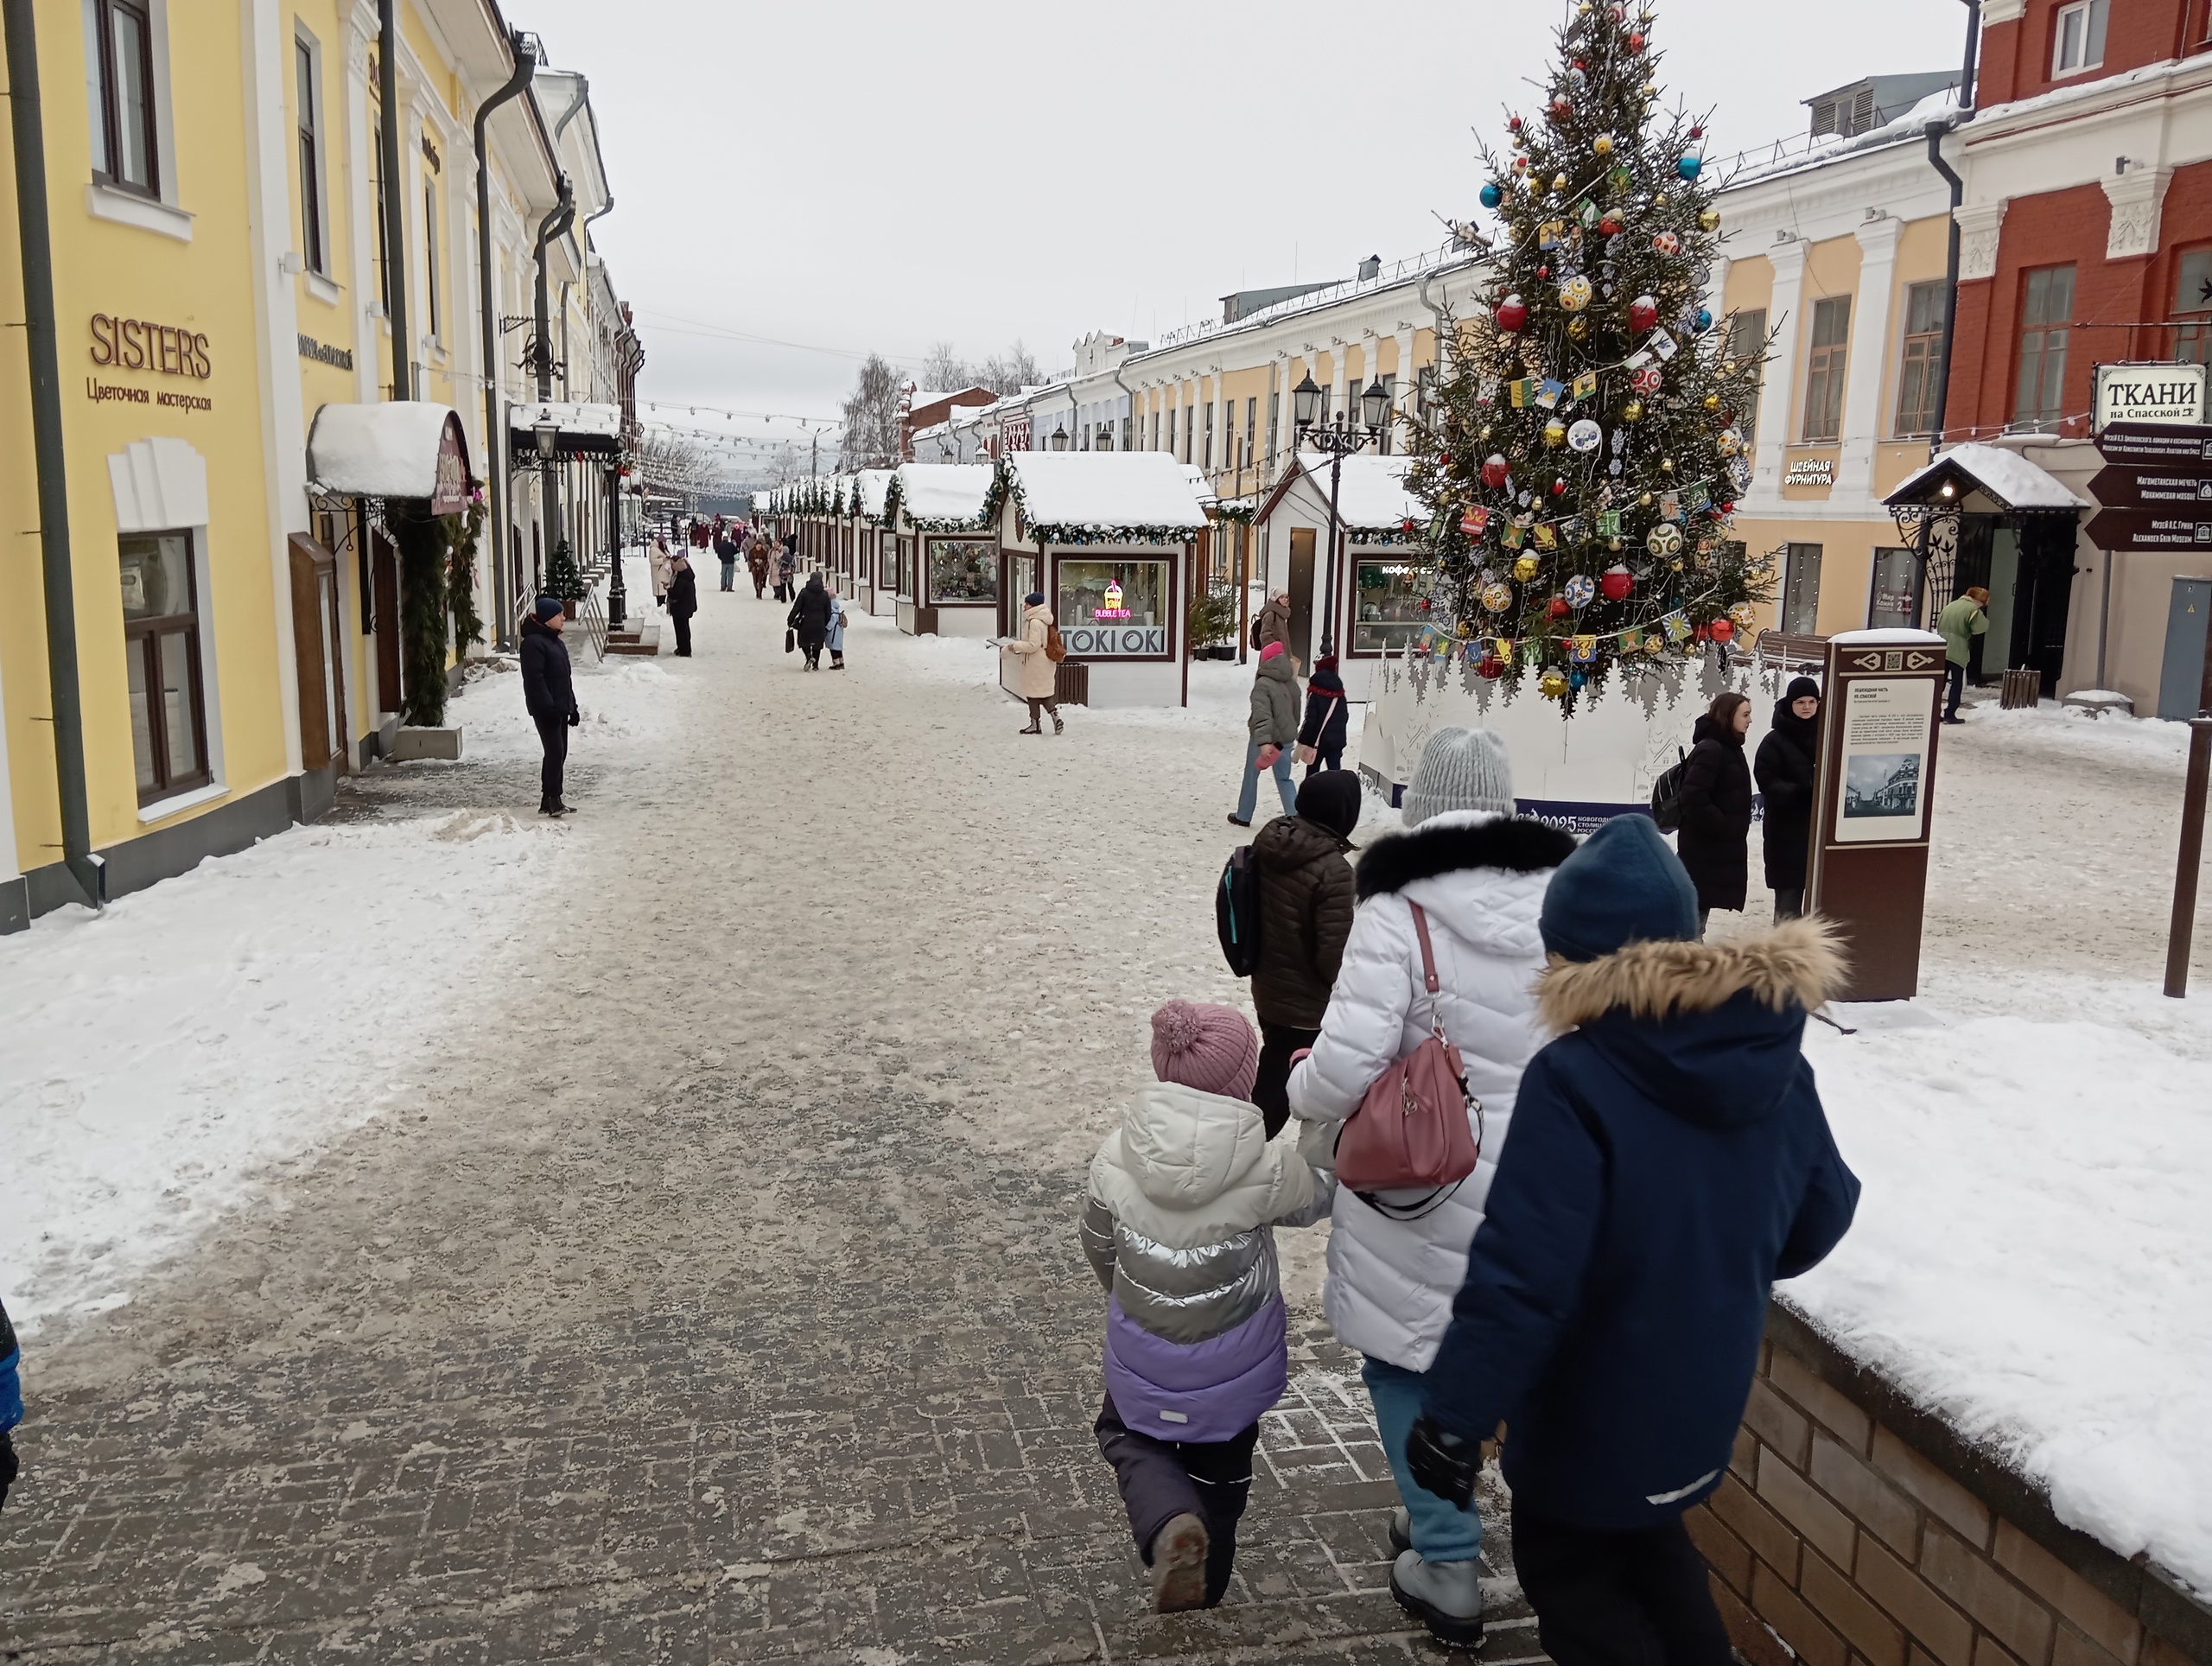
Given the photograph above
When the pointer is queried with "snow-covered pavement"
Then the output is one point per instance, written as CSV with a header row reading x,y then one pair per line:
x,y
455,1156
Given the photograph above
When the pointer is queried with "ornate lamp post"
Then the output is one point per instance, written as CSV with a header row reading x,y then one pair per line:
x,y
1339,438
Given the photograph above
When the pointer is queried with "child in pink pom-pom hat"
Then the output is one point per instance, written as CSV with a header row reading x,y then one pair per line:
x,y
1178,1227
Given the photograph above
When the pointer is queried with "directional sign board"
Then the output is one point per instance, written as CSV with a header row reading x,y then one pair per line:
x,y
2175,488
2155,490
2156,442
2151,529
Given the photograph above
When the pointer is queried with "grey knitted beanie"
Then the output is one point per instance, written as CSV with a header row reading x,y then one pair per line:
x,y
1460,769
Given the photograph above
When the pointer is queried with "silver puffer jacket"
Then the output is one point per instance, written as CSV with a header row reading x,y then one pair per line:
x,y
1182,1198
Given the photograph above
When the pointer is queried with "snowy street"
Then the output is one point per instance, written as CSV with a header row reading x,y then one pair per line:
x,y
683,1263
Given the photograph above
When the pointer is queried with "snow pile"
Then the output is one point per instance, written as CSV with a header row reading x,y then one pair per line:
x,y
944,492
2030,1258
871,484
1105,491
595,422
387,450
1372,495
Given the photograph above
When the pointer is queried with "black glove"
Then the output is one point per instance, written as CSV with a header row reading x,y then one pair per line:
x,y
10,1466
1441,1462
574,718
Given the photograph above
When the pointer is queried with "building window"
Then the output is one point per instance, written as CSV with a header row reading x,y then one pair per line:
x,y
160,630
1391,603
1824,371
1920,365
430,257
2077,37
2048,311
1391,388
310,122
1209,453
1154,444
120,68
384,278
1113,609
962,572
2192,307
1894,603
1747,345
1251,427
1801,588
1171,430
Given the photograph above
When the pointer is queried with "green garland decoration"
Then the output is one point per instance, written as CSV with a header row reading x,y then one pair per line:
x,y
423,625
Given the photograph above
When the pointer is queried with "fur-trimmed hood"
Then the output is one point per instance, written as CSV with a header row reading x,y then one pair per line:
x,y
1514,843
1712,1031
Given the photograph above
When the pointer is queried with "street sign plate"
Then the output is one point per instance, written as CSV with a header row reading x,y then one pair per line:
x,y
2155,442
2150,528
2177,486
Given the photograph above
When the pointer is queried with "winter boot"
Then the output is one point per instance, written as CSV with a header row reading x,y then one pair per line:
x,y
1446,1597
1401,1531
1059,726
1179,1566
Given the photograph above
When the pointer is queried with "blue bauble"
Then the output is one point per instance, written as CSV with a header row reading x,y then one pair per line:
x,y
1704,320
1575,679
1690,167
1492,196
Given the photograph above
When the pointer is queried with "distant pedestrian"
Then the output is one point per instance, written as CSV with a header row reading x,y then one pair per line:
x,y
1321,736
1783,770
756,562
726,552
835,641
1306,909
786,569
1273,624
1477,873
548,694
682,602
1670,1160
1041,673
1715,838
663,564
1270,732
1965,618
12,1403
1178,1226
699,533
810,618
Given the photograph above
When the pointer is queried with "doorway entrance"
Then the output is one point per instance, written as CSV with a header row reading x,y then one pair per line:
x,y
2026,563
384,580
1301,594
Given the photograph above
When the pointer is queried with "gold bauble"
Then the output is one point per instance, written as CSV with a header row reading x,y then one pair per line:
x,y
1645,501
1727,367
1613,544
1659,202
1553,684
1713,402
1554,432
1666,465
1709,220
1559,182
1674,566
1578,327
1632,411
1485,433
1525,569
1602,144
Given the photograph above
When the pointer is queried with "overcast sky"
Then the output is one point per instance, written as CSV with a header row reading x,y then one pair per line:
x,y
799,184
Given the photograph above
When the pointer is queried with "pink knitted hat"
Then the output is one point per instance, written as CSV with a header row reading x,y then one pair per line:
x,y
1209,1048
1271,651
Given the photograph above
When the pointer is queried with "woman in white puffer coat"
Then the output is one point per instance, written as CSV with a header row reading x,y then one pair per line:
x,y
1479,873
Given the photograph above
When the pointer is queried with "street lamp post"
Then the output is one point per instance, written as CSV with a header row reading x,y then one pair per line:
x,y
1060,438
1340,438
548,436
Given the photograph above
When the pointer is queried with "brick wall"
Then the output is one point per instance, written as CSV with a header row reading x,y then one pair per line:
x,y
1854,1529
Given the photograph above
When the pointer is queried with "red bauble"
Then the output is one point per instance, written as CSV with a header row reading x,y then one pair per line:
x,y
1636,42
1491,666
1728,508
1645,378
1558,609
1563,107
1426,604
1559,487
1514,123
1406,525
1494,471
1697,133
1610,225
1513,313
1615,583
1722,629
1643,313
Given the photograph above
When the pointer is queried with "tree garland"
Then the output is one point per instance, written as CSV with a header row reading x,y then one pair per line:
x,y
423,624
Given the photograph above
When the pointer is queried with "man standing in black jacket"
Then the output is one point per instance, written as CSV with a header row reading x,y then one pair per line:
x,y
550,694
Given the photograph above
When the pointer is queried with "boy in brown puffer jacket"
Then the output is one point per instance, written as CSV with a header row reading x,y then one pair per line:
x,y
1306,909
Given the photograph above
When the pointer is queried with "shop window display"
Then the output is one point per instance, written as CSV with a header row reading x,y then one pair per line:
x,y
1113,608
962,571
1390,605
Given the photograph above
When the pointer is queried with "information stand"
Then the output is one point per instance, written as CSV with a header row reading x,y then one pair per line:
x,y
1873,797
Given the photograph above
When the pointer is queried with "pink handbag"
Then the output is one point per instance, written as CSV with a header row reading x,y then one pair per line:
x,y
1411,1131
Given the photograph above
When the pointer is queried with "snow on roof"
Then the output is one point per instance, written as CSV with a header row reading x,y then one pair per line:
x,y
1372,495
384,450
2005,474
944,492
1201,487
872,484
604,422
1105,490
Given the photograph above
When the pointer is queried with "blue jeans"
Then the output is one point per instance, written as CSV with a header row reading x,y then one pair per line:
x,y
1250,797
1442,1532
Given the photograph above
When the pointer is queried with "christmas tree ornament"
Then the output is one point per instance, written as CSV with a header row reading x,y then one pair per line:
x,y
1585,435
1664,540
1667,244
1602,144
1745,615
1690,167
1563,107
1609,224
1492,667
1721,630
1491,195
1513,123
1666,464
1560,184
1474,522
1579,590
1512,314
1578,328
1636,44
1576,679
1496,597
1642,313
1554,433
1553,684
1557,608
1703,321
1526,568
1713,402
1632,411
1616,582
1644,501
1494,471
1645,378
1709,220
1574,294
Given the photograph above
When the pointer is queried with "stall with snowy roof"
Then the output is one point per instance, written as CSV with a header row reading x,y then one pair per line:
x,y
1382,574
874,555
944,518
1111,537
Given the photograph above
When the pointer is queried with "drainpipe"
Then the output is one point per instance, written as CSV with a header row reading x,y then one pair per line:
x,y
394,205
616,602
495,438
88,870
1935,132
551,226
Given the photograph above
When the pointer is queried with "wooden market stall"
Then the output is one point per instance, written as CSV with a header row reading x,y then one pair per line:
x,y
875,544
943,516
1383,576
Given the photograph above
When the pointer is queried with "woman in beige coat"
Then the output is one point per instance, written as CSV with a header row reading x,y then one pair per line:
x,y
1040,671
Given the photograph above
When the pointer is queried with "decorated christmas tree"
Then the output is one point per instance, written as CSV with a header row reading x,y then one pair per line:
x,y
1580,452
563,578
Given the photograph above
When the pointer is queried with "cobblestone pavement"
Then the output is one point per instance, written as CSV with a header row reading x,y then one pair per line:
x,y
678,1318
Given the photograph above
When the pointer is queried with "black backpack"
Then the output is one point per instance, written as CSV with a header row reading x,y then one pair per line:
x,y
1237,911
1666,794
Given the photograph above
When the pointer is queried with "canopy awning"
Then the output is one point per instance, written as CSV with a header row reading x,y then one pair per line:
x,y
2010,482
401,448
580,430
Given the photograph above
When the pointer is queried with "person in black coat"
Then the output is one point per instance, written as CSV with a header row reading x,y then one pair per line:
x,y
810,617
1715,842
1783,770
1305,908
682,602
1670,1160
549,695
726,551
1325,724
